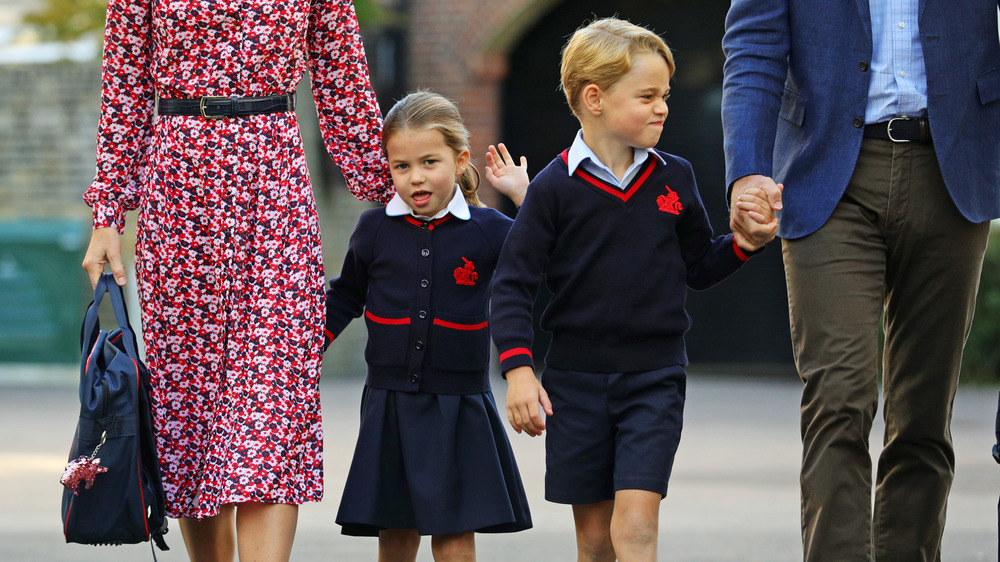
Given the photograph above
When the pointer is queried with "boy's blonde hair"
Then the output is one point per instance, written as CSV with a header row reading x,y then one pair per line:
x,y
601,53
424,110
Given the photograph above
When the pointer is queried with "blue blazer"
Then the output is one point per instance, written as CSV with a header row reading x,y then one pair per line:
x,y
796,88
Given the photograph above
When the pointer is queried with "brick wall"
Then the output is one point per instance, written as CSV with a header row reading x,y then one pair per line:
x,y
458,49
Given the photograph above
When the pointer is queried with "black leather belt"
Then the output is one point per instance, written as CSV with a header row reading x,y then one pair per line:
x,y
901,129
218,107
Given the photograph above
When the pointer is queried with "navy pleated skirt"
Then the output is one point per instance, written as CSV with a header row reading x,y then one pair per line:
x,y
437,463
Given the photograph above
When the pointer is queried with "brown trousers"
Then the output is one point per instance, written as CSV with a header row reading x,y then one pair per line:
x,y
895,249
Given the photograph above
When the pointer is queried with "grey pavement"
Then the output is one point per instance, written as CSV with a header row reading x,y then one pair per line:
x,y
733,495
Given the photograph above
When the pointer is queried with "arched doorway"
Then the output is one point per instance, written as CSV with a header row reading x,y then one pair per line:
x,y
744,320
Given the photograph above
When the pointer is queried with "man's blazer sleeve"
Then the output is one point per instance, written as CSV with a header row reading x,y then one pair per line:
x,y
756,43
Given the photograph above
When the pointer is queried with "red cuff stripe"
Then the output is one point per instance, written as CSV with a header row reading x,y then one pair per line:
x,y
739,251
516,351
380,320
456,326
328,334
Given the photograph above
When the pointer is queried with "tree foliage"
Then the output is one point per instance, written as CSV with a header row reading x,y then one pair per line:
x,y
68,20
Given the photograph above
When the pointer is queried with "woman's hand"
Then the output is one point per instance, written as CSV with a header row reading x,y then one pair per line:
x,y
105,248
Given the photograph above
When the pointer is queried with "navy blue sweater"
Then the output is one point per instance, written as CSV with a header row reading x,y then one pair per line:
x,y
618,265
424,289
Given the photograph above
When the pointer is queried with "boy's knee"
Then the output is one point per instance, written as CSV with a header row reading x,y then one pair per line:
x,y
636,518
594,543
598,549
634,531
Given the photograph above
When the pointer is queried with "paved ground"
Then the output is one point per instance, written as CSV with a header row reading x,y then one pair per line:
x,y
733,495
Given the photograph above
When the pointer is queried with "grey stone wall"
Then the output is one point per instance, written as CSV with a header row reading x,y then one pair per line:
x,y
48,124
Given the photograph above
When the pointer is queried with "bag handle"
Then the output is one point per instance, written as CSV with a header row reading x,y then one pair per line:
x,y
92,323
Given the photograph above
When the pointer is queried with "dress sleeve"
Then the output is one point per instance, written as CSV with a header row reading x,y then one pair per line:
x,y
125,127
349,116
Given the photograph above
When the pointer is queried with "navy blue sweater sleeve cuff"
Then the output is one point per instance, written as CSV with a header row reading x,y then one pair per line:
x,y
516,357
745,255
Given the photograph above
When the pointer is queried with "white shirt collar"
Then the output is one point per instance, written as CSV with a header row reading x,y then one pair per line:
x,y
581,154
458,208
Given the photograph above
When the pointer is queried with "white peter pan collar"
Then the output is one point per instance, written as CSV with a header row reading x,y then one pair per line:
x,y
457,207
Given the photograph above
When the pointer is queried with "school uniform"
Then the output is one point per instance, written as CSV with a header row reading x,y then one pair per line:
x,y
432,454
618,260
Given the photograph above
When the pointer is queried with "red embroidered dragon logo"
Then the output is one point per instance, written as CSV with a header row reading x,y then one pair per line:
x,y
466,275
670,203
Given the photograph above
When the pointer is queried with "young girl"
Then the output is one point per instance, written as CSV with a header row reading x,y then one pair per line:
x,y
432,457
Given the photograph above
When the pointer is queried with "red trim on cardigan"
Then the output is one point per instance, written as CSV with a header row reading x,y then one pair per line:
x,y
380,320
457,326
430,224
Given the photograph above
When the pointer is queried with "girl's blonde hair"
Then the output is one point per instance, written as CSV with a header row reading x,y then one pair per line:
x,y
424,110
601,53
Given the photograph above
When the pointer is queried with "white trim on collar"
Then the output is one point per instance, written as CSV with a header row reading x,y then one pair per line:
x,y
457,207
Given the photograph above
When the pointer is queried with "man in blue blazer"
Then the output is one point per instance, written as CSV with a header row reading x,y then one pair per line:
x,y
881,120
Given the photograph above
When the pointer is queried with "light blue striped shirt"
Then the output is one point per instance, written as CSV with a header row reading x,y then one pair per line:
x,y
898,83
581,155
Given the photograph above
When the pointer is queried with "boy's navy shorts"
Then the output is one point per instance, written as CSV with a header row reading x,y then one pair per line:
x,y
610,432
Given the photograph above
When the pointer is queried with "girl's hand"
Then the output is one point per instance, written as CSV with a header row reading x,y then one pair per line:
x,y
105,248
524,394
504,175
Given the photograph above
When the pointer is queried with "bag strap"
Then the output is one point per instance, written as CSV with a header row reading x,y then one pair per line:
x,y
92,323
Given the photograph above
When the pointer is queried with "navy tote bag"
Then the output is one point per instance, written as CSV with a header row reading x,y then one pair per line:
x,y
113,490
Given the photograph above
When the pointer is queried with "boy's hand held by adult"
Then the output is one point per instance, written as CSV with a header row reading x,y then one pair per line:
x,y
524,394
754,201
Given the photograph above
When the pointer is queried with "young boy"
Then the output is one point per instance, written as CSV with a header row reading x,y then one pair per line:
x,y
620,232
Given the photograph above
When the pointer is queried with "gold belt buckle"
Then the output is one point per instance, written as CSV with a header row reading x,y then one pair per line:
x,y
201,106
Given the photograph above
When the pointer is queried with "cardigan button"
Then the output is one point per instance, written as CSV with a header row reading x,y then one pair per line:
x,y
858,122
419,345
425,252
415,377
863,65
422,314
424,283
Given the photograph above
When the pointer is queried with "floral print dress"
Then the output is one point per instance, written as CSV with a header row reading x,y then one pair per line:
x,y
229,262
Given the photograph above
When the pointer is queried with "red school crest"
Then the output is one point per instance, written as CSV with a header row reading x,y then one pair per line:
x,y
670,203
466,275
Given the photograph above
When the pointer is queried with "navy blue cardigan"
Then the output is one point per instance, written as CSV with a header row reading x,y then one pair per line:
x,y
618,265
424,289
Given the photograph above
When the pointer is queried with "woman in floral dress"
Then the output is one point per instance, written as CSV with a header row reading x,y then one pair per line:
x,y
228,256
